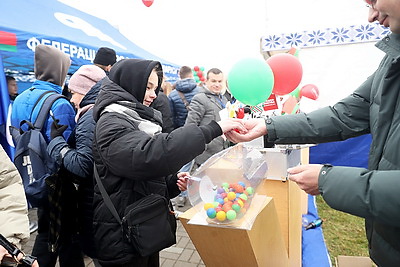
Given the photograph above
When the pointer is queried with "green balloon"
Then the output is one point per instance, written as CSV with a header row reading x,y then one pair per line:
x,y
251,81
296,93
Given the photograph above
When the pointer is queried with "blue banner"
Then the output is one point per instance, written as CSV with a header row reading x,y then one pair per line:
x,y
5,110
73,32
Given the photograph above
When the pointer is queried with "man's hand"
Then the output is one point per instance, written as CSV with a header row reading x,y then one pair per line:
x,y
254,128
306,177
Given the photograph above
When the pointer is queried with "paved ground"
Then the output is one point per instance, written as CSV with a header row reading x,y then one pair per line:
x,y
183,254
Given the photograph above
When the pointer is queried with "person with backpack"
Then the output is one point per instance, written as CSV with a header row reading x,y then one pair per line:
x,y
75,154
51,68
185,89
134,159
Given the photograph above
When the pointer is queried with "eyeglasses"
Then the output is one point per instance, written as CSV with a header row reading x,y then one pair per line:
x,y
370,3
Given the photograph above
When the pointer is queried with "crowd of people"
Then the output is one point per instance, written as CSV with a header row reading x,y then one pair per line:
x,y
118,119
116,128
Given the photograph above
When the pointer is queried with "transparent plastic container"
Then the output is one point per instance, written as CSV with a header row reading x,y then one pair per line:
x,y
223,187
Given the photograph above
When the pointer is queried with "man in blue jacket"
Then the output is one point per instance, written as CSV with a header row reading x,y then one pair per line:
x,y
51,68
184,91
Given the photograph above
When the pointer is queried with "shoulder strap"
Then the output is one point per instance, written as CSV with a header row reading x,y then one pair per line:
x,y
105,196
182,96
45,109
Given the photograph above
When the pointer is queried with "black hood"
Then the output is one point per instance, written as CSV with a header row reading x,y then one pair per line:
x,y
127,82
132,75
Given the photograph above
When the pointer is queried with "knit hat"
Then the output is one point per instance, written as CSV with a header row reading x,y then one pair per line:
x,y
84,78
105,56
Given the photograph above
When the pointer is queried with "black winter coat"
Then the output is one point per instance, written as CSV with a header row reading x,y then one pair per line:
x,y
132,164
76,156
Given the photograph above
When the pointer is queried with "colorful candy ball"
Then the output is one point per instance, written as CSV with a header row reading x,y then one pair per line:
x,y
243,197
236,207
211,213
231,215
250,190
208,205
221,216
231,195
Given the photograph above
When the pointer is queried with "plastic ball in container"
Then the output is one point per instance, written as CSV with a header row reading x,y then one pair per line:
x,y
227,182
221,216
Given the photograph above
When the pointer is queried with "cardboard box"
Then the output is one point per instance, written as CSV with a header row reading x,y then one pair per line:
x,y
352,261
285,213
290,201
224,246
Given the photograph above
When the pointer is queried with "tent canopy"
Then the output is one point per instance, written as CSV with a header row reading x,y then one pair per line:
x,y
26,23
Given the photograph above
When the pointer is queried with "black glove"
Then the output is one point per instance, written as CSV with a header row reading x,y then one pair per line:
x,y
57,129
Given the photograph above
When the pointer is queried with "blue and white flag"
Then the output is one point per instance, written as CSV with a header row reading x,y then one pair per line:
x,y
5,114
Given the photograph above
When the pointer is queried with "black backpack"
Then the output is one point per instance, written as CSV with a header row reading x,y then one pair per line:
x,y
31,158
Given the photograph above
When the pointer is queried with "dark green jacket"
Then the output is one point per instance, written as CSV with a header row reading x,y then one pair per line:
x,y
373,193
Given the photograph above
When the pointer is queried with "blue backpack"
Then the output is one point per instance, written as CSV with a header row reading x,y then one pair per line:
x,y
31,158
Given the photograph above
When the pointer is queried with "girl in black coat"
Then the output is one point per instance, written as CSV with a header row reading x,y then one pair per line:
x,y
133,157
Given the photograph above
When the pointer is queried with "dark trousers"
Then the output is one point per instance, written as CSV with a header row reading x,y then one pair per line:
x,y
150,261
69,252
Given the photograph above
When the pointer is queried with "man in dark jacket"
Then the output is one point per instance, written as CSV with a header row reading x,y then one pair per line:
x,y
205,107
371,193
105,58
185,89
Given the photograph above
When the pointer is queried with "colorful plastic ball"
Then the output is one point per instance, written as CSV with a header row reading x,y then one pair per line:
x,y
224,195
225,185
216,204
236,207
238,188
211,213
220,190
242,184
240,202
221,216
208,205
250,190
220,201
243,197
231,195
226,200
226,207
231,215
219,208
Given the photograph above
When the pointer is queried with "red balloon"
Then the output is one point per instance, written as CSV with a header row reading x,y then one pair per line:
x,y
310,91
200,73
287,71
196,68
148,3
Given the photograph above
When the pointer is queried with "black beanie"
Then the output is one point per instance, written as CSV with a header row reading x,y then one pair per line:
x,y
105,56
